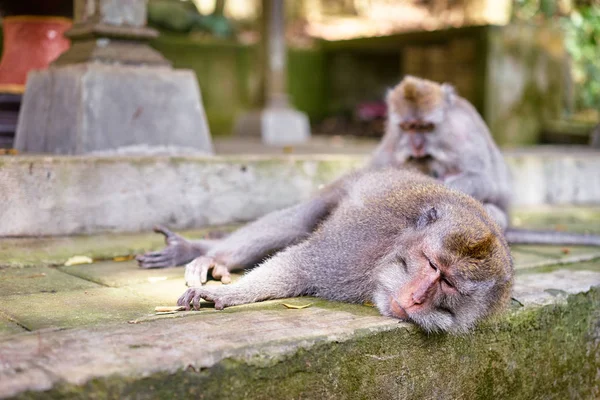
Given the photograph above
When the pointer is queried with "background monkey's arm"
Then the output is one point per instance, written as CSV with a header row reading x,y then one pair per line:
x,y
269,234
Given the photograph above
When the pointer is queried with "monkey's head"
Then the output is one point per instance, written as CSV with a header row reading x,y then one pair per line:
x,y
448,271
416,110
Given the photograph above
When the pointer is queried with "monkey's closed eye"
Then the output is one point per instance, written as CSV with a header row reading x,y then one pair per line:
x,y
432,265
447,282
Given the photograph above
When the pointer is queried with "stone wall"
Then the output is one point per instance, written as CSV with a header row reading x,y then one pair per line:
x,y
84,195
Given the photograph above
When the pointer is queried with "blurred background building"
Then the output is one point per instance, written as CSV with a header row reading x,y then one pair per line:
x,y
531,67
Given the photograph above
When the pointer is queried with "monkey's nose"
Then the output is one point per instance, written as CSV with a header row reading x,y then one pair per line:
x,y
417,142
417,298
397,310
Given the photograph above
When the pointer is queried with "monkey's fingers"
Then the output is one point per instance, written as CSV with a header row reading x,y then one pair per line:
x,y
196,272
186,298
221,272
157,259
163,230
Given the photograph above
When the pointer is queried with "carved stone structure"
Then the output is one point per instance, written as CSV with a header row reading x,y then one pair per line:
x,y
111,90
278,123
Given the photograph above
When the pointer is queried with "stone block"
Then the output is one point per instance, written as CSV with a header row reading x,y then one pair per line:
x,y
277,126
76,195
77,308
8,327
19,281
91,107
166,292
24,252
284,126
117,274
526,257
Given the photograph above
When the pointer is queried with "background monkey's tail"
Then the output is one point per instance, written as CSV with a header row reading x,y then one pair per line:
x,y
526,236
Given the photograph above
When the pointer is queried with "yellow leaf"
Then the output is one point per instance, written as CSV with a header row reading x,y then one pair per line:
x,y
123,258
76,260
295,307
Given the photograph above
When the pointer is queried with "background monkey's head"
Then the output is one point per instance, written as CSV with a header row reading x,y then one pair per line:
x,y
416,113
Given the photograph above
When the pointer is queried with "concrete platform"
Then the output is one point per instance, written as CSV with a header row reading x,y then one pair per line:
x,y
43,195
89,331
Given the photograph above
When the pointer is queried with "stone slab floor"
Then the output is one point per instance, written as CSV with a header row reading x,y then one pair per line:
x,y
90,331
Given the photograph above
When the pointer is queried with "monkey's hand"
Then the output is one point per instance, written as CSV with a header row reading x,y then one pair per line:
x,y
192,296
196,272
178,252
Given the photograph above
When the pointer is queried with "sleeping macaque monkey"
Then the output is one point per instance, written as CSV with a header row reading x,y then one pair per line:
x,y
441,134
419,251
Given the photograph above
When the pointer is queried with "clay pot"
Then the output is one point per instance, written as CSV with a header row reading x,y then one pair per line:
x,y
33,38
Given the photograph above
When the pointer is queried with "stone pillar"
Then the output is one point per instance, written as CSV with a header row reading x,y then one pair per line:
x,y
278,123
111,91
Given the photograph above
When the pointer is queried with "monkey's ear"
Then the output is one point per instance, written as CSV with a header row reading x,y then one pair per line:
x,y
429,216
449,93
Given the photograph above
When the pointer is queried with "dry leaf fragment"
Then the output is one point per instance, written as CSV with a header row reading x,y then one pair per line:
x,y
368,304
77,260
295,307
163,309
565,250
123,258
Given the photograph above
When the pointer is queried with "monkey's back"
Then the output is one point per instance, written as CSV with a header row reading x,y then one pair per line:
x,y
379,206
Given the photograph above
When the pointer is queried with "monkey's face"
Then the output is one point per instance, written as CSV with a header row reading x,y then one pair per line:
x,y
416,112
444,280
414,134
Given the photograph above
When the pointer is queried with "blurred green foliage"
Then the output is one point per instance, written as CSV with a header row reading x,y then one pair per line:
x,y
583,42
183,17
580,21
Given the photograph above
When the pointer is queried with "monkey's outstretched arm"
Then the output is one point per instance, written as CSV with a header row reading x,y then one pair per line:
x,y
279,277
271,233
179,251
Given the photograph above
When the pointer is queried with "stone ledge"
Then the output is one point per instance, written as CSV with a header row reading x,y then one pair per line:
x,y
44,195
81,345
313,353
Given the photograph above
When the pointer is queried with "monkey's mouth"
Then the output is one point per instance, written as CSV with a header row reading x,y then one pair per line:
x,y
420,157
398,311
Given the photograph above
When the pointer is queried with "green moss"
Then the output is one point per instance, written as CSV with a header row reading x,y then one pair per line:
x,y
550,352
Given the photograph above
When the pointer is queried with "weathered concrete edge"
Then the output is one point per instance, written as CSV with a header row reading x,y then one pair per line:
x,y
551,351
61,195
268,353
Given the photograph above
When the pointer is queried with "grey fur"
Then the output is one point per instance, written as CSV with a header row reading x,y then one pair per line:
x,y
352,255
462,152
